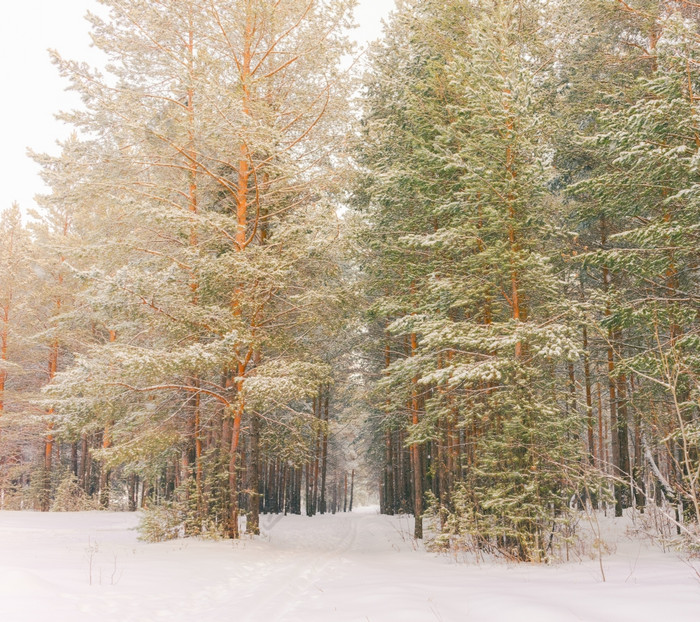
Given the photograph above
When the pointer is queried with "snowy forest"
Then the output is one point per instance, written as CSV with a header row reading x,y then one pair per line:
x,y
456,275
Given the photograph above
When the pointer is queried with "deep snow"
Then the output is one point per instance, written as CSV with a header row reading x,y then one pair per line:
x,y
359,567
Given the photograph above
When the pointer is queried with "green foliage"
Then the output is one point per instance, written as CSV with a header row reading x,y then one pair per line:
x,y
470,278
193,234
633,165
70,497
526,174
162,522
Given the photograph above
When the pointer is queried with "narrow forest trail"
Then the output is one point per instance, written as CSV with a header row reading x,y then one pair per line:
x,y
344,567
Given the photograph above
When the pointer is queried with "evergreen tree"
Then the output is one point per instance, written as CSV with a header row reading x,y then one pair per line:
x,y
15,327
647,151
486,315
213,134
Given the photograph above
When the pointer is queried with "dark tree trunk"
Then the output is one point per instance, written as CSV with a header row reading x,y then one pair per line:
x,y
253,525
324,453
352,487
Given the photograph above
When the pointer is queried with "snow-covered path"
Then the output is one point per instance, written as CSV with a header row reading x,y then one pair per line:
x,y
352,567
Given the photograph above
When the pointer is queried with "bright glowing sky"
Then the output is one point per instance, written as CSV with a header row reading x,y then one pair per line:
x,y
33,91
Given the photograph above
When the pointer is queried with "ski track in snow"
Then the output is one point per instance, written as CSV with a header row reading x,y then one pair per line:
x,y
346,567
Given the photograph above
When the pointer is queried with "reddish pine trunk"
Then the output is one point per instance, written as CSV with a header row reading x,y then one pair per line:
x,y
49,442
240,239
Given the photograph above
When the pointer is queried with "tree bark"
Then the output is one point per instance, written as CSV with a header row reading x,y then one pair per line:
x,y
352,488
324,451
416,457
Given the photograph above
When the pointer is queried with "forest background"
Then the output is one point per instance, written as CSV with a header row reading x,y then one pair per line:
x,y
476,268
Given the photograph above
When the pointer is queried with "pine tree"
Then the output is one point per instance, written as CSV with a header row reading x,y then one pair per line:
x,y
647,149
15,327
14,263
486,323
214,131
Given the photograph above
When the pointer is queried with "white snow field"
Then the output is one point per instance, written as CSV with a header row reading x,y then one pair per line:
x,y
347,567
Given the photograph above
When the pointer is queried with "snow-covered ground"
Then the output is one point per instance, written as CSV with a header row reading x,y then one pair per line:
x,y
359,566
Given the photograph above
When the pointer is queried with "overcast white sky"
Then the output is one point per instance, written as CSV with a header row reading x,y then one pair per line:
x,y
33,92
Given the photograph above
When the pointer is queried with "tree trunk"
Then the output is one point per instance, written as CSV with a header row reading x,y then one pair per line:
x,y
352,488
416,457
253,525
49,442
624,496
83,465
388,505
233,531
4,335
612,388
345,492
324,452
317,452
589,397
